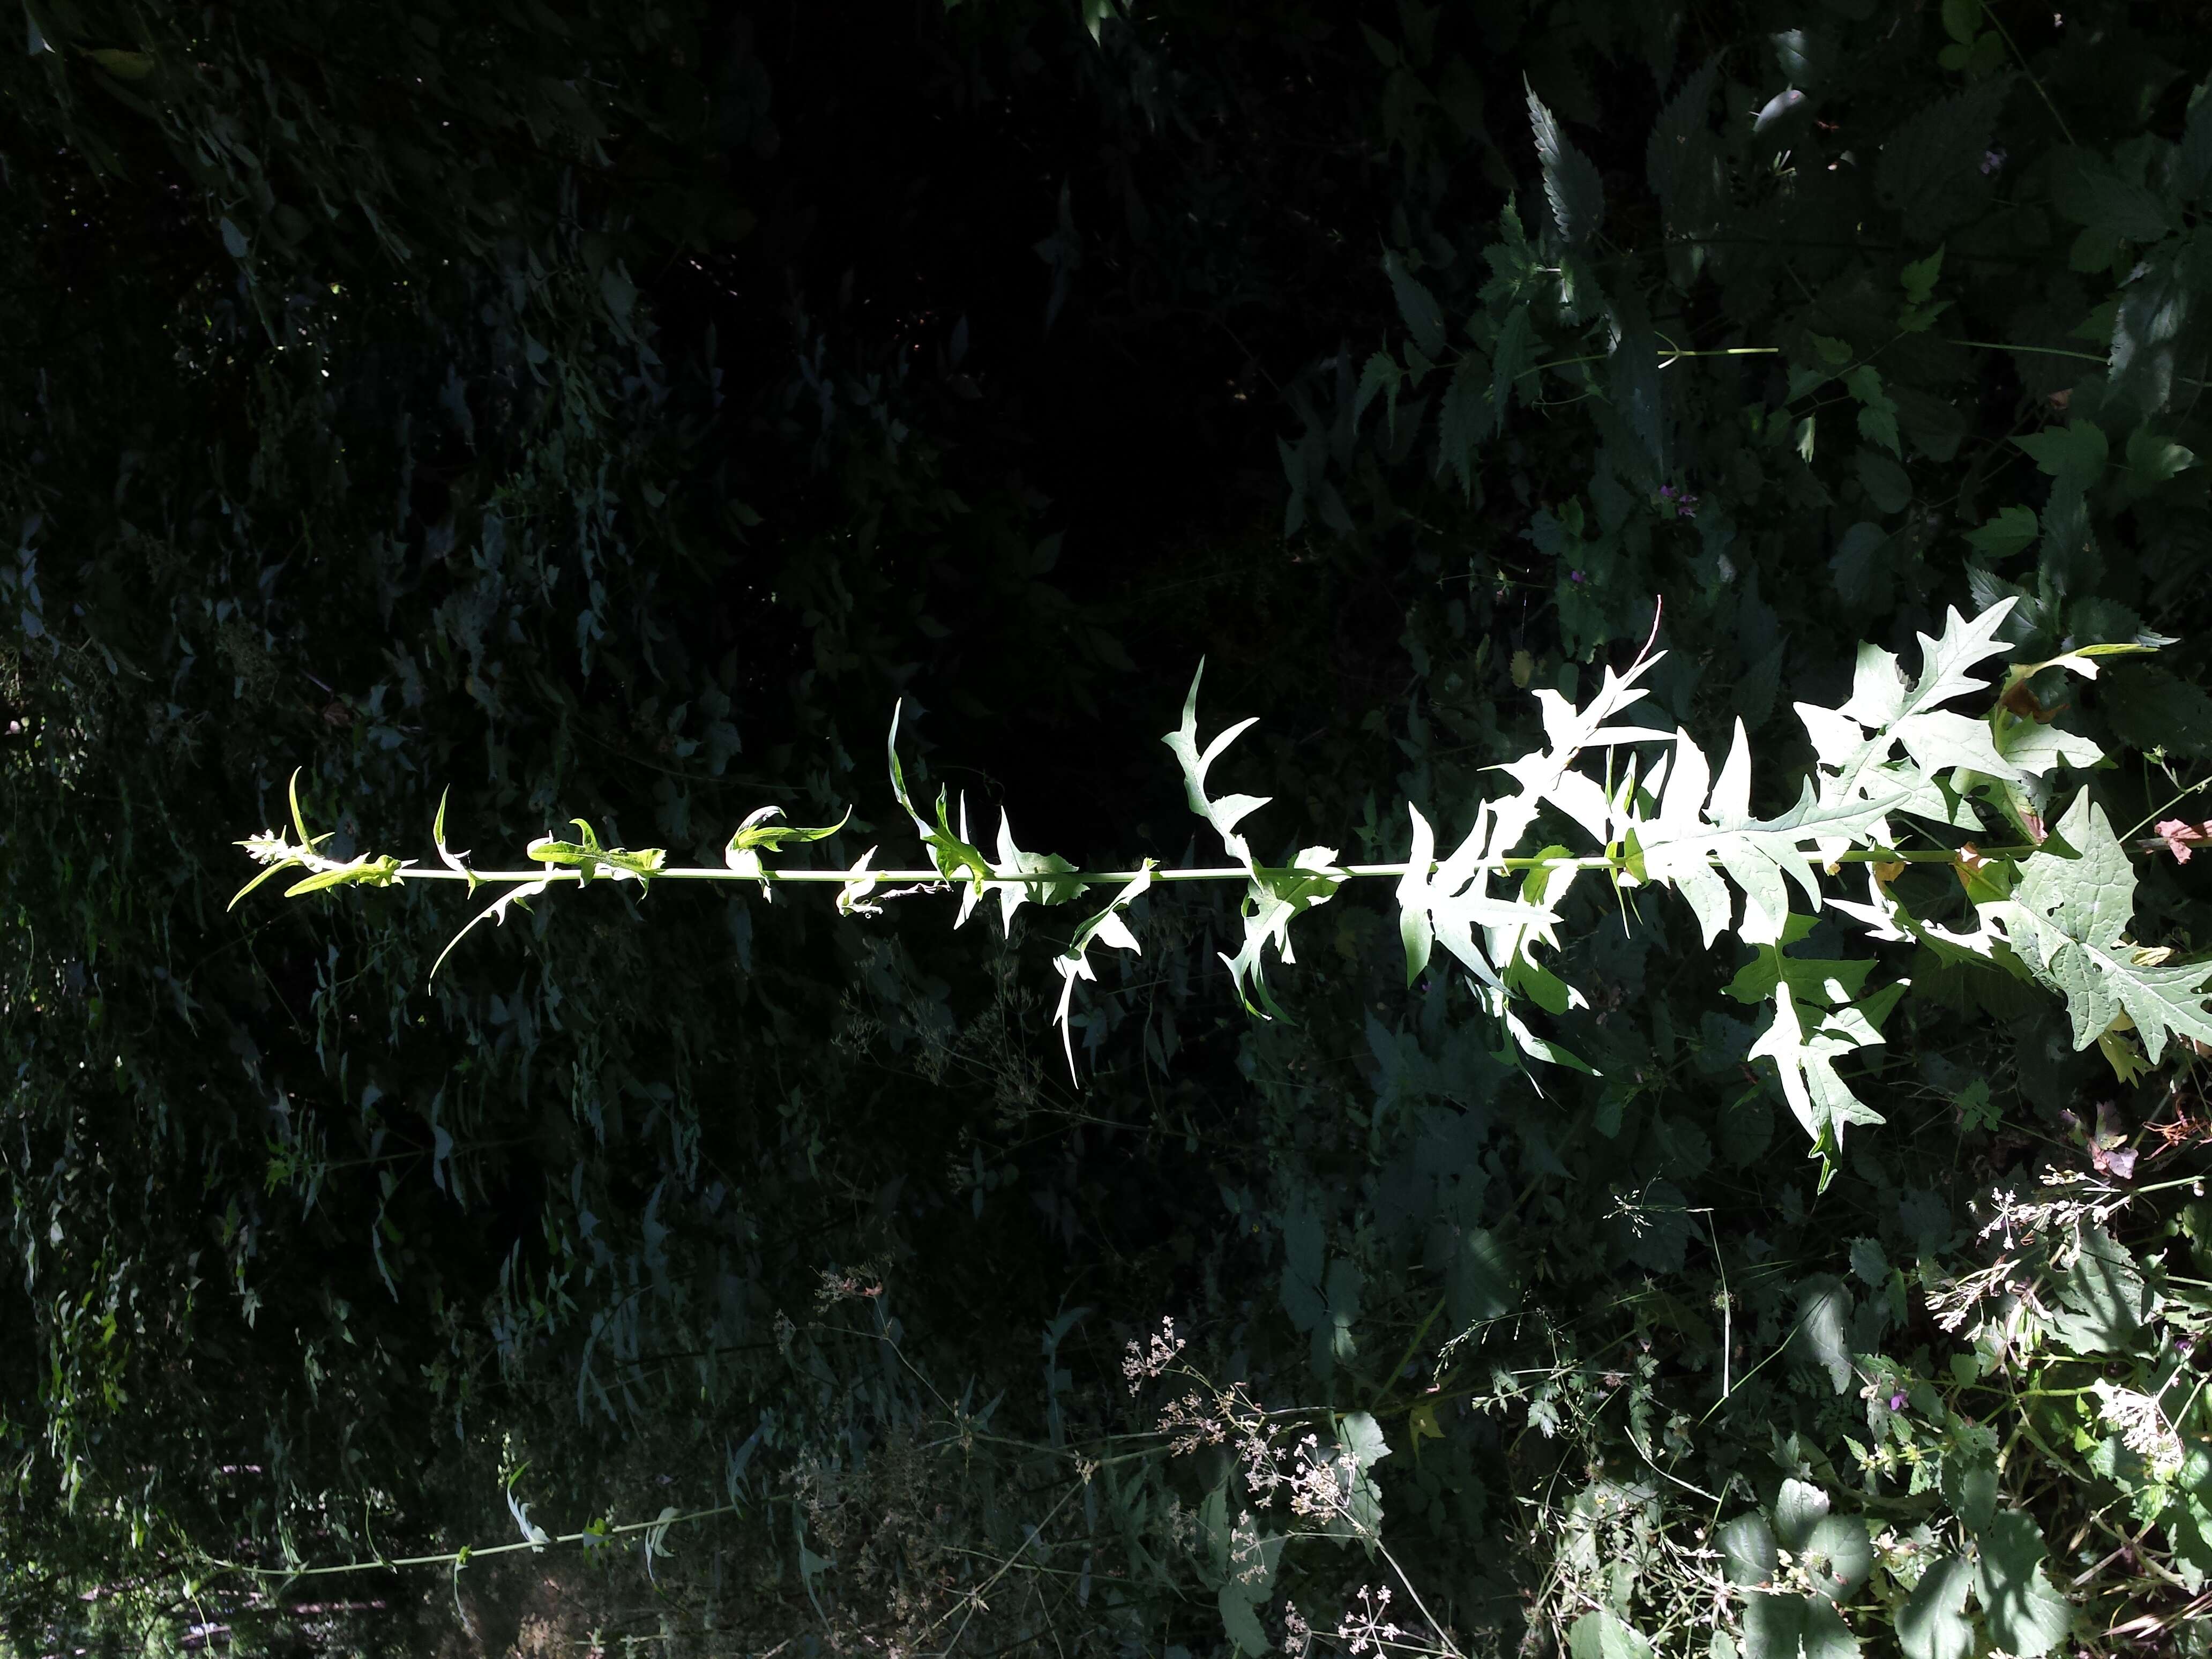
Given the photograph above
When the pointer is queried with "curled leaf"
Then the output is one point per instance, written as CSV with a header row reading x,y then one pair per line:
x,y
495,911
590,860
1074,964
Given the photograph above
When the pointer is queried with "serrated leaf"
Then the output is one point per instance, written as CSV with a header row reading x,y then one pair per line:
x,y
1799,1506
1462,421
1571,185
2012,530
1930,170
1795,1627
2027,1617
1602,1635
1878,409
2147,332
2089,192
1382,371
1838,1556
2105,1302
1970,1486
1424,317
1682,140
1515,355
2155,459
1747,1550
1933,1623
1238,1620
2075,453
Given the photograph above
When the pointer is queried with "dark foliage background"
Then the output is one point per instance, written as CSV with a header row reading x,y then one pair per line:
x,y
612,410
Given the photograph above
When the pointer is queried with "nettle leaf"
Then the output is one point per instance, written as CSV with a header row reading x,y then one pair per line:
x,y
2090,192
1361,1447
1680,158
1571,185
2075,453
1795,1627
2012,530
1425,317
1239,1622
1601,1635
1933,1623
1516,355
2105,1302
2154,459
2067,920
1930,170
1747,1550
1877,409
1838,1556
2026,1615
1799,1506
1381,374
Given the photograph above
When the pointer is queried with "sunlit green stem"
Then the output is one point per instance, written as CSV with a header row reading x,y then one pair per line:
x,y
1199,872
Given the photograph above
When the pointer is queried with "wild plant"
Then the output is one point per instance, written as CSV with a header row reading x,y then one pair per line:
x,y
1906,785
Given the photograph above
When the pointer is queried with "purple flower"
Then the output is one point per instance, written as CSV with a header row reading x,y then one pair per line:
x,y
1992,160
1897,1401
1574,575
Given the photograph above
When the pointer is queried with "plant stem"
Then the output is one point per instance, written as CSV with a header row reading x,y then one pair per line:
x,y
1101,878
454,1557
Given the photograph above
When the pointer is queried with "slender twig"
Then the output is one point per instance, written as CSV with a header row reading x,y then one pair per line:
x,y
465,1554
